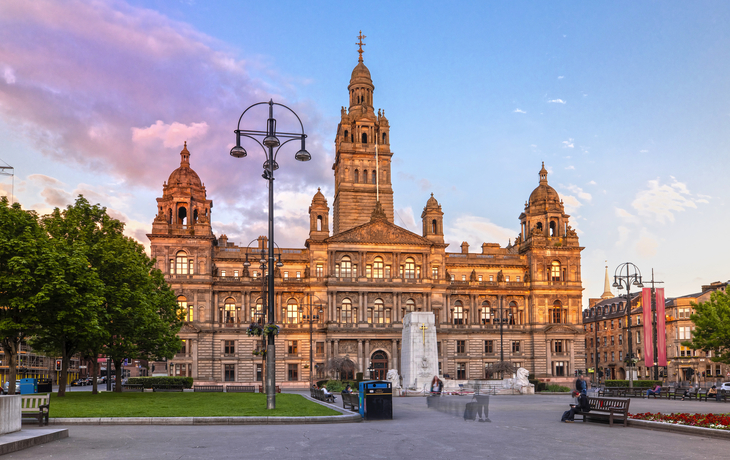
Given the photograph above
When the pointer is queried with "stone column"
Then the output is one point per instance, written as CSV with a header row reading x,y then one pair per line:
x,y
216,314
394,354
337,347
367,357
360,357
549,361
448,307
194,354
365,307
572,357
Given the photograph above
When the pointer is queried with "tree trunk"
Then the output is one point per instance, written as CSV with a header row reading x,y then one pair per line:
x,y
64,374
95,372
11,352
118,375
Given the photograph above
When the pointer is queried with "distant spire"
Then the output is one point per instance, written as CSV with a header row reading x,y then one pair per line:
x,y
360,44
185,155
543,174
607,294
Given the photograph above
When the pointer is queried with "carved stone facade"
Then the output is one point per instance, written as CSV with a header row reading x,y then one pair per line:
x,y
368,273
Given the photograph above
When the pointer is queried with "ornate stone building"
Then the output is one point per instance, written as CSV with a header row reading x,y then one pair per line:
x,y
368,273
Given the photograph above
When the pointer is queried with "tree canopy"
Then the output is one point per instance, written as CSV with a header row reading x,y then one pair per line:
x,y
712,327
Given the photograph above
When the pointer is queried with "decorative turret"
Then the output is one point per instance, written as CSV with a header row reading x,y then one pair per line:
x,y
433,221
544,215
319,217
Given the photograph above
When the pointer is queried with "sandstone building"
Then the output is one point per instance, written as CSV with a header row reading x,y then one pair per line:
x,y
365,273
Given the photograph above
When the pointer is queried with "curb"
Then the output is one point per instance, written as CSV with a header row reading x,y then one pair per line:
x,y
345,417
683,429
23,439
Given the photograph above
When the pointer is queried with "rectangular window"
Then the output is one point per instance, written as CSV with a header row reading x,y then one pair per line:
x,y
235,273
259,373
611,324
621,339
453,277
591,357
293,372
230,347
293,347
613,356
435,273
518,279
559,368
506,278
461,371
223,273
438,348
230,373
558,346
463,277
620,355
299,275
605,356
192,267
286,275
320,270
368,271
319,348
172,266
489,346
480,278
387,271
515,346
255,275
460,347
184,347
491,277
685,313
337,270
612,341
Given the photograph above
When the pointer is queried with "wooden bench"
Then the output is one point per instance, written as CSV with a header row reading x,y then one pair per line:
x,y
132,387
319,394
208,388
240,389
352,400
261,389
35,406
608,408
167,388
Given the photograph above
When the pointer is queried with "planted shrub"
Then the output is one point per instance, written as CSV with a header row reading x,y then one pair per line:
x,y
147,382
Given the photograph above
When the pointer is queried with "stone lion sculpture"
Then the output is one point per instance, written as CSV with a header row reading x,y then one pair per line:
x,y
521,382
393,378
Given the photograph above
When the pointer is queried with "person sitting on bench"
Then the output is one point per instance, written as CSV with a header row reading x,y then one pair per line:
x,y
657,390
712,393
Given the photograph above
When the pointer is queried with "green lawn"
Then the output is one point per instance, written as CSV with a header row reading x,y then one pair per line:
x,y
106,404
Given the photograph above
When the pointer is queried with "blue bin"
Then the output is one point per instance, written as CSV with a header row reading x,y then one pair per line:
x,y
376,400
28,386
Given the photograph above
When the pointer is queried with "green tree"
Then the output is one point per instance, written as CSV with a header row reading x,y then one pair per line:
x,y
22,247
712,327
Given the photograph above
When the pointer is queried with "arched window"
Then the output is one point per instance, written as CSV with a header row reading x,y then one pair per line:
x,y
319,223
378,267
539,226
555,271
346,133
364,138
357,176
553,229
181,263
513,319
384,138
434,227
186,311
257,312
169,216
195,215
229,311
292,312
346,267
365,176
380,314
373,177
458,312
410,305
410,269
346,311
182,215
486,312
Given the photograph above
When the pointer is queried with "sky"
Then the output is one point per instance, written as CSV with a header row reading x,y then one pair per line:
x,y
626,102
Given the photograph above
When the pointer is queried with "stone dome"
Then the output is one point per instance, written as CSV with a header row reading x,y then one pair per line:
x,y
184,175
432,203
544,193
361,75
319,198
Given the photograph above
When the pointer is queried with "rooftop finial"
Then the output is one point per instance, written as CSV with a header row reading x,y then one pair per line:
x,y
360,44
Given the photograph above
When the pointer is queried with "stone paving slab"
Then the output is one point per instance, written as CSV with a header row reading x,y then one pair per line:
x,y
29,437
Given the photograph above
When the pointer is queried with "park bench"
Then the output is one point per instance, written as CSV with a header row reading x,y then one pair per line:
x,y
319,394
608,408
35,406
132,387
612,391
167,388
208,388
240,389
261,389
352,400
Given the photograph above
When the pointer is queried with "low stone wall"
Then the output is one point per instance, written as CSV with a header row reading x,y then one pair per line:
x,y
9,414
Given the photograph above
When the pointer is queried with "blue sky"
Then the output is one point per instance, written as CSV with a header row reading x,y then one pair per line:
x,y
627,103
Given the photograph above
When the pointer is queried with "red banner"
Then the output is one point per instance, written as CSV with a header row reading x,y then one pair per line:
x,y
661,328
646,319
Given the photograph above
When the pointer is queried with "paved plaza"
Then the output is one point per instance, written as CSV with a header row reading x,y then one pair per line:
x,y
522,427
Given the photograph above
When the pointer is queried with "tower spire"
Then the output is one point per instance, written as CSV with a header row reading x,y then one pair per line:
x,y
607,294
360,45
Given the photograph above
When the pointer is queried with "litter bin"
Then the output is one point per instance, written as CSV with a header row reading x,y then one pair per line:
x,y
376,400
45,386
28,386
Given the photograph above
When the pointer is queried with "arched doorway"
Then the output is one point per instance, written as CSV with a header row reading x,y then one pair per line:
x,y
379,362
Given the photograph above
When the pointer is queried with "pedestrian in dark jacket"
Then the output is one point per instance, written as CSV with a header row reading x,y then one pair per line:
x,y
583,406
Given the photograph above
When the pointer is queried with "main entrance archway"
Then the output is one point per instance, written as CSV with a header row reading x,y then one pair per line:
x,y
379,361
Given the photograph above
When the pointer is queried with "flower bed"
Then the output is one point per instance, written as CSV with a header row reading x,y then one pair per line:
x,y
716,421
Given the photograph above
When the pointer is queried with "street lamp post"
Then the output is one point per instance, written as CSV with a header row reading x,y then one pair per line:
x,y
310,318
270,141
620,280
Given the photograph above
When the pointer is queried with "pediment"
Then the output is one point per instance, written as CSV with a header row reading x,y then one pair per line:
x,y
560,329
379,231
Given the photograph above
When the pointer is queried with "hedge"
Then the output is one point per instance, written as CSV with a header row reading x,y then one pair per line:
x,y
637,383
186,382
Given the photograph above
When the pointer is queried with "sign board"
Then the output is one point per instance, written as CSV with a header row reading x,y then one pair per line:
x,y
82,367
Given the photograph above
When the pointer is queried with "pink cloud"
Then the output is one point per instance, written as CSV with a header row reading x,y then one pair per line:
x,y
118,89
